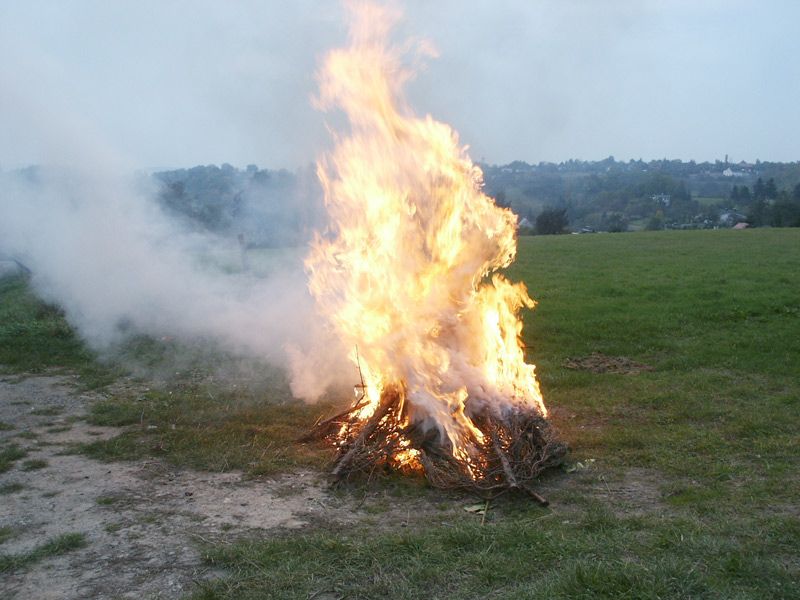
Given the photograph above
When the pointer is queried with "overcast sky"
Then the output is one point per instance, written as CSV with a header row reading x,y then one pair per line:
x,y
161,84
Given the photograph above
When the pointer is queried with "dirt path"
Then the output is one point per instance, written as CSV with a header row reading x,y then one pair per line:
x,y
142,521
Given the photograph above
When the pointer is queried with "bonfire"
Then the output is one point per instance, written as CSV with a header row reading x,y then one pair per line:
x,y
408,276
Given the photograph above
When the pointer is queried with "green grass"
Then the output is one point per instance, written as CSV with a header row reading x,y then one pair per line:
x,y
705,444
33,464
57,546
708,439
11,488
7,533
196,425
718,316
215,430
598,555
6,426
9,455
35,337
112,527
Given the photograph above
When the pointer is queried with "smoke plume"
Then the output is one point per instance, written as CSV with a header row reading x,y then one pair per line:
x,y
100,246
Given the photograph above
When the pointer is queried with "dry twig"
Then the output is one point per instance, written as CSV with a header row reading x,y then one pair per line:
x,y
518,445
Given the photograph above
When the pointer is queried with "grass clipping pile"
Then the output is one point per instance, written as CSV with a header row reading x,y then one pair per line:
x,y
514,451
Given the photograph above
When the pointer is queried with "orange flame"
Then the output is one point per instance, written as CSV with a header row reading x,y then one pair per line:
x,y
403,273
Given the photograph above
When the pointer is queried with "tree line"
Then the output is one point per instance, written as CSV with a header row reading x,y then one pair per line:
x,y
609,195
278,207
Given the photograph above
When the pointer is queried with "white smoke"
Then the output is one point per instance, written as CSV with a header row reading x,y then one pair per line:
x,y
99,246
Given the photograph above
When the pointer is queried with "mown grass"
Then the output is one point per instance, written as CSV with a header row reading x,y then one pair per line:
x,y
59,545
211,427
35,337
706,442
11,488
218,430
7,533
598,555
33,464
9,455
718,316
725,300
709,436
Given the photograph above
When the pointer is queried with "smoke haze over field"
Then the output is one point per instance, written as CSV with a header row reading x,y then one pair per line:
x,y
97,91
100,247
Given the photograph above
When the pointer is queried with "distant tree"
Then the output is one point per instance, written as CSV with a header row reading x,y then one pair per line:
x,y
786,210
500,199
770,190
656,222
759,190
637,189
552,221
759,213
745,197
683,192
616,223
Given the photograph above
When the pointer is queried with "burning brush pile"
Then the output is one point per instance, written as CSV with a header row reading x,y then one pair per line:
x,y
407,276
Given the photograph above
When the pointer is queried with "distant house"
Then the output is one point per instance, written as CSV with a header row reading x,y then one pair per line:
x,y
661,198
731,173
730,218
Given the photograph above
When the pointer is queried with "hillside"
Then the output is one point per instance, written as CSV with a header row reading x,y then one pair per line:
x,y
274,208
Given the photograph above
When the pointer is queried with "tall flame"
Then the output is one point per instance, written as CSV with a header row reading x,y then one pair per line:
x,y
407,273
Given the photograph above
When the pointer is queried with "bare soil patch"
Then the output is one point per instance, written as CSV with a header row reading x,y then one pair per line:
x,y
144,521
600,363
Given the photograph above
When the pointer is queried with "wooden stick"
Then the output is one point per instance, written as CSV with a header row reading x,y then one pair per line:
x,y
360,374
512,481
318,430
387,401
540,499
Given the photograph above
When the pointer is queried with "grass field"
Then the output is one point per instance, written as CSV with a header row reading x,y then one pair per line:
x,y
35,337
683,480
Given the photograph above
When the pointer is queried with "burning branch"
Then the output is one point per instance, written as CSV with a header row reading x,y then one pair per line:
x,y
518,448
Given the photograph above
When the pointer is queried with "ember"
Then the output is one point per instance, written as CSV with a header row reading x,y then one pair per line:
x,y
515,449
407,277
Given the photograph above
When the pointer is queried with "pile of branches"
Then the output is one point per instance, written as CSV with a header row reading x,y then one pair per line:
x,y
515,449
